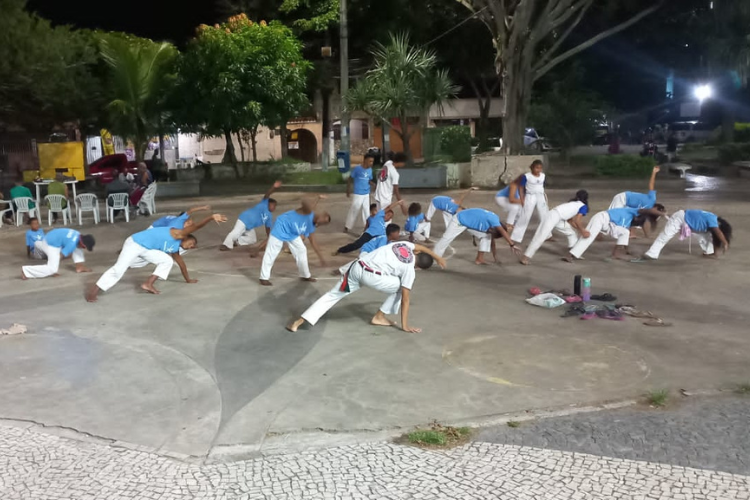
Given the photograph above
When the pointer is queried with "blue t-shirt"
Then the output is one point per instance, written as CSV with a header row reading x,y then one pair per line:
x,y
505,192
640,200
622,217
376,226
374,244
175,221
158,238
291,225
412,222
34,236
446,204
361,177
257,216
64,239
700,220
478,219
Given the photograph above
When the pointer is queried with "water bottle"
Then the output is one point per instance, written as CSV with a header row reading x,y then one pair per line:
x,y
586,289
577,285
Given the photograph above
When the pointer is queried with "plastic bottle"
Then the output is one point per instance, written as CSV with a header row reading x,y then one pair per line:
x,y
577,285
586,289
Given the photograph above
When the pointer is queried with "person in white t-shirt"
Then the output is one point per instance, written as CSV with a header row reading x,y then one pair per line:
x,y
534,198
388,178
389,269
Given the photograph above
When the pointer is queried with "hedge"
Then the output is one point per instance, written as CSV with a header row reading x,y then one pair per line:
x,y
730,153
624,165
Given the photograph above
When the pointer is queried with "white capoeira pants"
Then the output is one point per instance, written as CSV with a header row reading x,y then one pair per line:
x,y
382,204
53,260
619,201
532,202
240,235
600,223
360,206
513,209
273,248
422,232
553,222
672,229
134,255
431,211
454,229
358,278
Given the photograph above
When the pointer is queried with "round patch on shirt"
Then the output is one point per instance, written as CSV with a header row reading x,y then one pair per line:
x,y
403,253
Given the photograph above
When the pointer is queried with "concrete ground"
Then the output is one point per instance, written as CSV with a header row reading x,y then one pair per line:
x,y
208,370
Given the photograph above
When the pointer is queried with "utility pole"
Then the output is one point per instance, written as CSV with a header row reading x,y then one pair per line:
x,y
344,49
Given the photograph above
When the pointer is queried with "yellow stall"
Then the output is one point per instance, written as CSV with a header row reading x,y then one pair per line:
x,y
68,156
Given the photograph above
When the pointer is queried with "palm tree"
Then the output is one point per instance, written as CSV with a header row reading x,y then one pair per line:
x,y
404,83
140,74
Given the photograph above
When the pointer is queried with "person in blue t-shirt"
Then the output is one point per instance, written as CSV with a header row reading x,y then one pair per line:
x,y
615,223
484,225
447,205
360,179
416,226
257,216
34,234
392,234
289,229
687,222
159,246
178,221
60,244
630,199
375,227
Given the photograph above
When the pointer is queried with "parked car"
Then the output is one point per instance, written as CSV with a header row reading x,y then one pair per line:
x,y
105,169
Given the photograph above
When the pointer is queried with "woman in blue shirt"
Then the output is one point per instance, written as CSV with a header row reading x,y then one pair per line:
x,y
687,222
447,206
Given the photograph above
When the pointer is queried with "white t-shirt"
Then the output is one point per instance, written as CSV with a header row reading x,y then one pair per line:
x,y
394,259
534,185
387,178
569,210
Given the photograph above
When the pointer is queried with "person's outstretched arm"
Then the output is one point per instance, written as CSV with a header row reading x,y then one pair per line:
x,y
466,193
652,181
314,244
183,267
506,236
349,183
393,205
179,234
405,304
577,224
719,234
192,210
311,202
276,185
436,257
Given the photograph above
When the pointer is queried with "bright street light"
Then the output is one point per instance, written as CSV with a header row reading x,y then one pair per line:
x,y
703,92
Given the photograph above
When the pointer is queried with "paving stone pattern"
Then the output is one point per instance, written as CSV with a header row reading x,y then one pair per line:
x,y
707,433
36,465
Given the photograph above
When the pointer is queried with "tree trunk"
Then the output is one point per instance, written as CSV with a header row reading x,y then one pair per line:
x,y
242,148
253,139
516,83
284,141
405,134
229,156
326,95
727,121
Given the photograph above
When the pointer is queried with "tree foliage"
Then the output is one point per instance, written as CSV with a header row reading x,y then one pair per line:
x,y
239,75
404,82
47,74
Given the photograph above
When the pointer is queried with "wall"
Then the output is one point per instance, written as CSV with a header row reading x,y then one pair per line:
x,y
492,170
458,175
431,177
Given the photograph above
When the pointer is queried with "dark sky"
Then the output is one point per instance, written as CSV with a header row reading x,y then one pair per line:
x,y
173,20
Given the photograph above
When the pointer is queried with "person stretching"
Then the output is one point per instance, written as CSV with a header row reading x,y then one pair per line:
x,y
60,243
533,199
389,269
159,246
483,225
257,216
629,199
289,228
392,234
361,178
416,226
447,206
686,223
375,227
567,219
33,234
511,199
178,221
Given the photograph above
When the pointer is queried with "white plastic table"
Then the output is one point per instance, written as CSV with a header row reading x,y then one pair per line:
x,y
46,182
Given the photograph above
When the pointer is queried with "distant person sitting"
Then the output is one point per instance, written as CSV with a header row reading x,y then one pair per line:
x,y
118,185
58,187
34,234
143,180
21,191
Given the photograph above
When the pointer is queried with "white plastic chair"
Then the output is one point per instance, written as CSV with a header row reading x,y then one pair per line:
x,y
120,201
147,200
56,206
87,202
22,207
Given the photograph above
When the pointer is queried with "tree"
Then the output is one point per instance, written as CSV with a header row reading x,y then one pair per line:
x,y
141,75
530,39
47,74
239,75
403,84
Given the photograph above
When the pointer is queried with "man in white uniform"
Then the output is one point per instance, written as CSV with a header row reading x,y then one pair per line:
x,y
60,243
389,269
388,178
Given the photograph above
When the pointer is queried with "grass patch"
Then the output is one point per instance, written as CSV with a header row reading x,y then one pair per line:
x,y
743,389
331,177
438,436
657,398
513,424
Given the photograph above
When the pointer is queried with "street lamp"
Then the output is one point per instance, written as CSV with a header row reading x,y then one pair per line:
x,y
703,92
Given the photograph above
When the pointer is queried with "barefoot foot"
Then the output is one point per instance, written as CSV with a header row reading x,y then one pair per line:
x,y
383,321
309,280
150,289
524,261
23,276
265,283
224,248
480,263
293,326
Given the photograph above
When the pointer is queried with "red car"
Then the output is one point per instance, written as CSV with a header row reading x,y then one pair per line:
x,y
106,168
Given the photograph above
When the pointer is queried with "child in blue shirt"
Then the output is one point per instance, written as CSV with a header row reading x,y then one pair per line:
x,y
376,225
34,234
416,226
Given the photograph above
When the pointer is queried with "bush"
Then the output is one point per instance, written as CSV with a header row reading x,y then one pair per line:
x,y
456,142
730,153
624,165
317,177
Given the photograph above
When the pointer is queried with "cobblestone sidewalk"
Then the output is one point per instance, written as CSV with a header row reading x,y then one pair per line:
x,y
36,465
